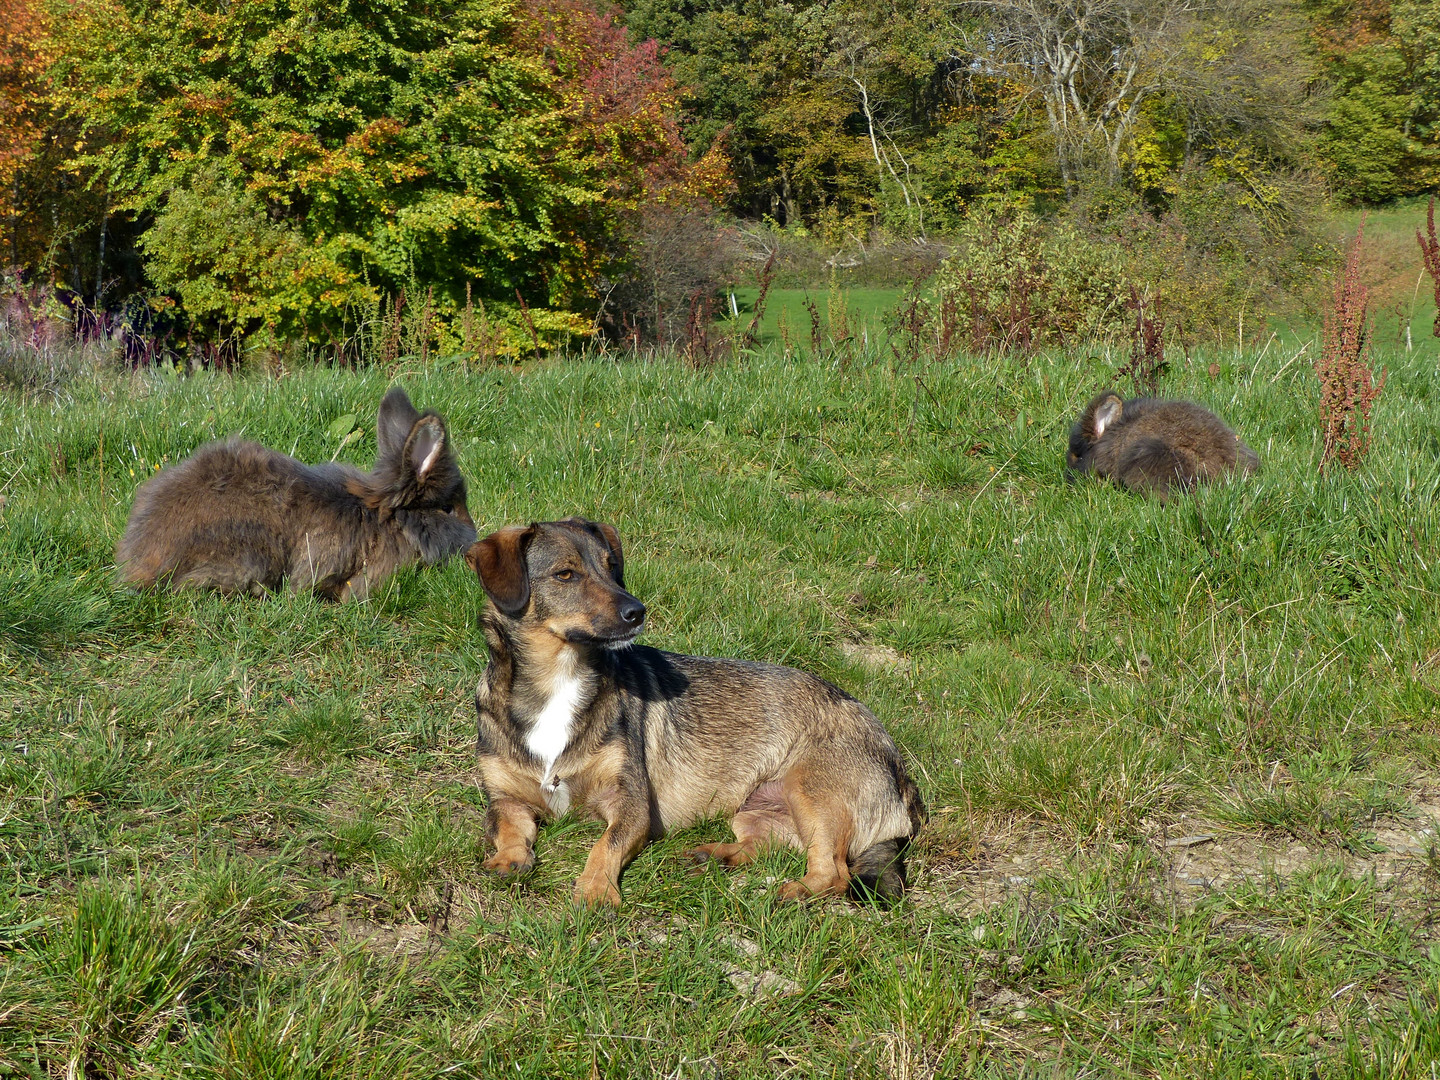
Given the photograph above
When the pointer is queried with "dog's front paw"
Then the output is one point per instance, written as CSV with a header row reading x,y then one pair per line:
x,y
509,864
596,892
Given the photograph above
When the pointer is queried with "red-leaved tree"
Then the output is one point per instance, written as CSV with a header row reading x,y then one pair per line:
x,y
619,110
24,54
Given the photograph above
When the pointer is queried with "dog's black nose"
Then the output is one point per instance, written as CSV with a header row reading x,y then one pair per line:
x,y
632,612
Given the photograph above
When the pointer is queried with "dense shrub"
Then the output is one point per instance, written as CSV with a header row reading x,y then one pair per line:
x,y
677,262
1018,283
1234,244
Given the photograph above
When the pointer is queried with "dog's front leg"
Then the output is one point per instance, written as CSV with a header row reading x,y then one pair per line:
x,y
627,827
510,826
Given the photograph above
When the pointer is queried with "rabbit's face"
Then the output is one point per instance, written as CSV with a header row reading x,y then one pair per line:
x,y
416,484
1081,448
438,531
1101,415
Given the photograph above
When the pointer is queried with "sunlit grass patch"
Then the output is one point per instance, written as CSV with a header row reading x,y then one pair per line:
x,y
1077,677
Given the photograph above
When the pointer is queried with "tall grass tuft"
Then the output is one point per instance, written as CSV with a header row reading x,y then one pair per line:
x,y
117,980
1348,387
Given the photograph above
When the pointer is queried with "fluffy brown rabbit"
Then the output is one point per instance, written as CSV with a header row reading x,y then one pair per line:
x,y
1146,444
241,518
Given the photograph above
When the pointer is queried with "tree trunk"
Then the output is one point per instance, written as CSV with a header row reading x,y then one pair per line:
x,y
788,199
100,260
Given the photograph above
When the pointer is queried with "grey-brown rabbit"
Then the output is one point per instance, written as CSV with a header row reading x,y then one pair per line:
x,y
241,518
1146,444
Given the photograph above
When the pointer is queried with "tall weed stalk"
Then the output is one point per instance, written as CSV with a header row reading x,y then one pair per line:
x,y
1430,253
751,337
1147,361
1348,388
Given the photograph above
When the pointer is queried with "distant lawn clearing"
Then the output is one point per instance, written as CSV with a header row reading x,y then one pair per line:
x,y
863,312
1181,760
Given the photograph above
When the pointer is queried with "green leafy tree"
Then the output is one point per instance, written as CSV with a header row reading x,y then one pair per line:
x,y
1382,130
298,158
825,108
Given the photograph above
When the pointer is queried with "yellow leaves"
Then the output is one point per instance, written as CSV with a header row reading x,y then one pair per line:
x,y
26,50
1237,163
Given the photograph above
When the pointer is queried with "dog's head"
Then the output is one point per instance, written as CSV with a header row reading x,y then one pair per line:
x,y
564,578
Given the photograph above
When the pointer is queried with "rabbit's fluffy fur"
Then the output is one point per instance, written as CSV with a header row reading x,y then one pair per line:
x,y
1146,444
240,518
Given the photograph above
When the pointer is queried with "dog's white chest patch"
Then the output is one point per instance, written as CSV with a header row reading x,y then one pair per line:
x,y
550,733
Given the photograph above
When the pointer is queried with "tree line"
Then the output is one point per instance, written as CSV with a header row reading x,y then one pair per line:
x,y
234,169
910,113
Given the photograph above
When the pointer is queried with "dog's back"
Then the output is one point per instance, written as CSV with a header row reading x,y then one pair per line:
x,y
225,518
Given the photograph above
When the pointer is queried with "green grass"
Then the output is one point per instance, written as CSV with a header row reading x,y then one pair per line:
x,y
242,839
1401,295
860,314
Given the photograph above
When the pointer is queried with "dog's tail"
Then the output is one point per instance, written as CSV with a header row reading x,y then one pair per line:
x,y
878,872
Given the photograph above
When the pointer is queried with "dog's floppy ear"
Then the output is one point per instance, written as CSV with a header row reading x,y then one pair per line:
x,y
499,563
1107,412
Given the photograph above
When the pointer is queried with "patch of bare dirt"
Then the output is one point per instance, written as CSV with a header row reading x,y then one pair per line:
x,y
969,872
875,657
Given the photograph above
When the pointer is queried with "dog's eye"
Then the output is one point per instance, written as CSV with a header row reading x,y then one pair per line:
x,y
564,575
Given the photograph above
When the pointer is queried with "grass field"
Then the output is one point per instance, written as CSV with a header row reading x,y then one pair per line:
x,y
1181,759
1401,295
860,314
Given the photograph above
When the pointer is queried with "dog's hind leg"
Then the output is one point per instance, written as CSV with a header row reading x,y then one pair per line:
x,y
510,826
824,823
762,822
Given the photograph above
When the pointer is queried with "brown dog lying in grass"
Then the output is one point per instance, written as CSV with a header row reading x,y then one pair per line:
x,y
573,715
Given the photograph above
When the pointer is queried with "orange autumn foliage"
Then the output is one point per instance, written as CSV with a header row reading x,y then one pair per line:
x,y
25,54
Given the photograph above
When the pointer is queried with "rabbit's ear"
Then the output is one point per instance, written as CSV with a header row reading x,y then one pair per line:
x,y
425,445
397,417
499,563
1106,413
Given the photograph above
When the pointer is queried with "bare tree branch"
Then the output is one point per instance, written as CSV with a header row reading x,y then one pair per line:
x,y
1091,63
